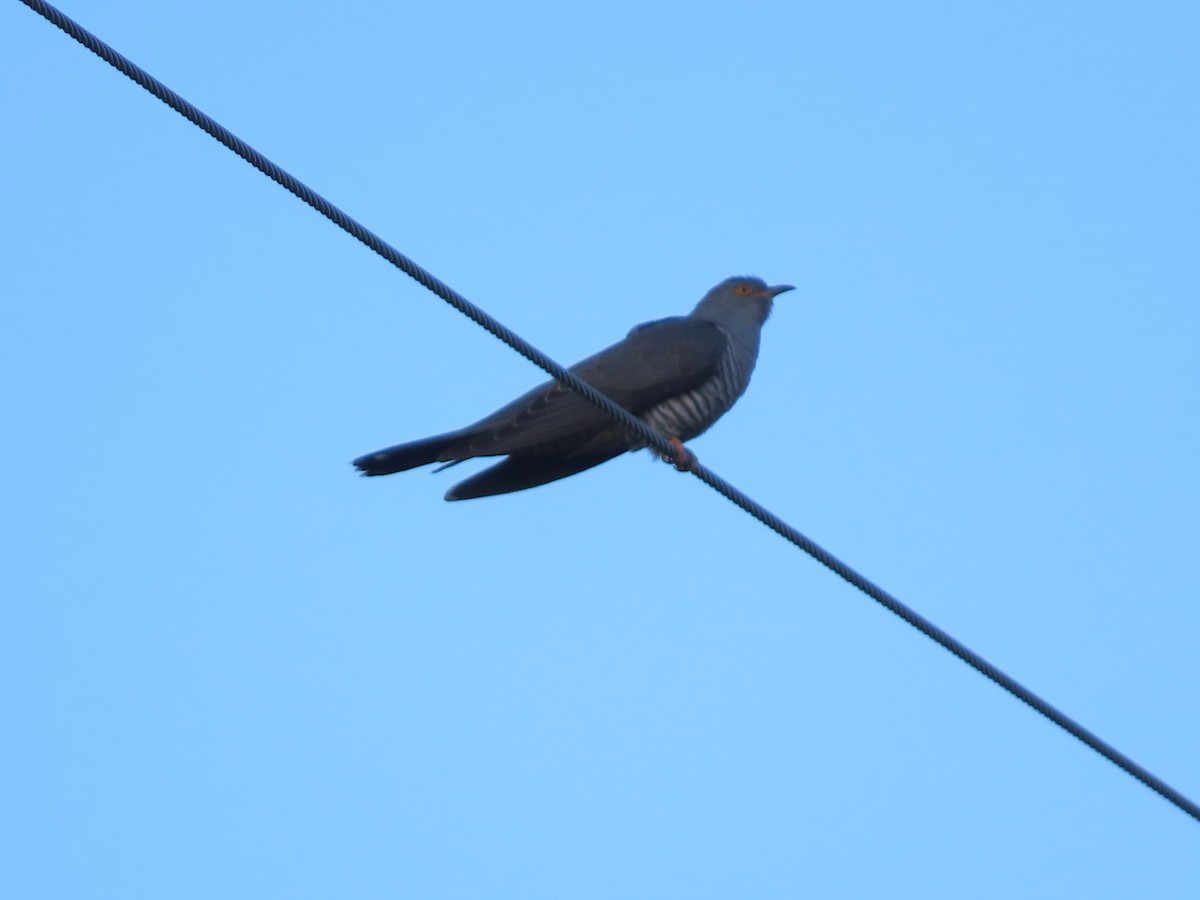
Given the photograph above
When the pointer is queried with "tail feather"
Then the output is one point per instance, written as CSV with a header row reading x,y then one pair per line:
x,y
407,456
516,473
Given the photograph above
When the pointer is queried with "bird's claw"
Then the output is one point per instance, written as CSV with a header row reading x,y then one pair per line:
x,y
684,459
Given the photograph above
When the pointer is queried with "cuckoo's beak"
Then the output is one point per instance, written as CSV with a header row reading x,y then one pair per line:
x,y
774,292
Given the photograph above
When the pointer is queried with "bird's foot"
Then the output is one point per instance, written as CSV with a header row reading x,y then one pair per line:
x,y
684,459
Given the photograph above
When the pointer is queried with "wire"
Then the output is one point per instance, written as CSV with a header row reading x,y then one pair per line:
x,y
625,418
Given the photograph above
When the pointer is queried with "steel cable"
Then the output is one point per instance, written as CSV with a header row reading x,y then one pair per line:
x,y
625,418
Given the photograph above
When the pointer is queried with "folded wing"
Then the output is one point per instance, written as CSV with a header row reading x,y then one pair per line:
x,y
655,362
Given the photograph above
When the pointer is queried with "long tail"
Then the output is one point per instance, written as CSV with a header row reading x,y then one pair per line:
x,y
518,473
407,456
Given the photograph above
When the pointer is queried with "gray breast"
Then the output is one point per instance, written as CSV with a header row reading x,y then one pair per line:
x,y
688,415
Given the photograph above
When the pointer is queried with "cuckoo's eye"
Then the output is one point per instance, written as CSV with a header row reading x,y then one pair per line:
x,y
743,290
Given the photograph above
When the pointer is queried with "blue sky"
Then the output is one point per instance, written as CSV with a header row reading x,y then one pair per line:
x,y
234,669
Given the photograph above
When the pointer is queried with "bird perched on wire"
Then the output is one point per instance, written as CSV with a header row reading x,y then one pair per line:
x,y
678,375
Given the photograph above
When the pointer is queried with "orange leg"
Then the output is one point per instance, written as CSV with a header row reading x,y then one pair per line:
x,y
685,460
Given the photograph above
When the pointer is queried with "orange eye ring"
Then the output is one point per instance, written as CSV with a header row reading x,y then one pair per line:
x,y
743,290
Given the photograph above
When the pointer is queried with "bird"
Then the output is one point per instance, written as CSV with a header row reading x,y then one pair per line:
x,y
678,375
